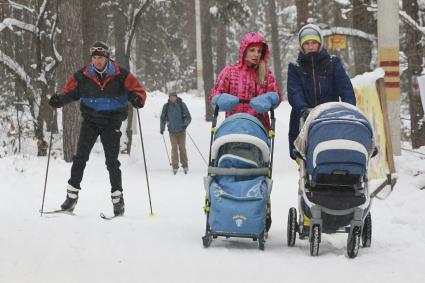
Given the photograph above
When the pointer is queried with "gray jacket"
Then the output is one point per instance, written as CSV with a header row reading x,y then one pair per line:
x,y
176,115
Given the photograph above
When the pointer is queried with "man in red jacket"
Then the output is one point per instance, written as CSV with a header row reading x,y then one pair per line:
x,y
103,89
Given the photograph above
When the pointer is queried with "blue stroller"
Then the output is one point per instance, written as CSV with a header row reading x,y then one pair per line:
x,y
238,183
335,146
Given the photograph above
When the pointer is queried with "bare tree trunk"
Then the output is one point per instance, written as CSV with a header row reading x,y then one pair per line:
x,y
277,64
70,40
221,47
362,20
119,36
94,24
302,12
43,108
123,60
415,55
207,56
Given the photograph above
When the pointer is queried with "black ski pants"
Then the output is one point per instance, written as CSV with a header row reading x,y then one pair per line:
x,y
110,138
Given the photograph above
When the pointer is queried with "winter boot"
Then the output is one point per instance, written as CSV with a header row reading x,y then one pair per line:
x,y
71,199
118,202
185,169
175,170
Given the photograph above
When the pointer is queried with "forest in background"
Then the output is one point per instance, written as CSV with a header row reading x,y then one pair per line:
x,y
43,42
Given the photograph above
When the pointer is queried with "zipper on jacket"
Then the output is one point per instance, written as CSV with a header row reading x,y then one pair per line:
x,y
314,80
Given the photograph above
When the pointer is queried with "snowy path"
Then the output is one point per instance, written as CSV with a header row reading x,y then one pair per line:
x,y
168,247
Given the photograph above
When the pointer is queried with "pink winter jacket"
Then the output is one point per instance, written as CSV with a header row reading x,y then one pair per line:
x,y
239,80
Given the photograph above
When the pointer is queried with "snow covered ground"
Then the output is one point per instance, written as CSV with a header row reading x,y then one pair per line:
x,y
167,247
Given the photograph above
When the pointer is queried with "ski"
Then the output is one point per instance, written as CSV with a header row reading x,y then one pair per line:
x,y
57,211
103,216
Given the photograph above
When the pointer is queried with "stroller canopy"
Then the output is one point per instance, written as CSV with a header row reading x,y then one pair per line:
x,y
242,128
336,137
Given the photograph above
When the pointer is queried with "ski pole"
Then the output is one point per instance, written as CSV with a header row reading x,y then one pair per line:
x,y
144,161
47,172
166,150
197,148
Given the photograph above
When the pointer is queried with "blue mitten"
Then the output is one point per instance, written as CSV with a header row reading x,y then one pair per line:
x,y
226,102
264,102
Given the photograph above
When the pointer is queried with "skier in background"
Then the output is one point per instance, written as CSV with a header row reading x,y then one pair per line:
x,y
177,116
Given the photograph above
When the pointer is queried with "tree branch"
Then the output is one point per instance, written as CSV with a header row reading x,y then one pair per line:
x,y
10,23
134,24
17,70
56,54
41,13
21,7
411,22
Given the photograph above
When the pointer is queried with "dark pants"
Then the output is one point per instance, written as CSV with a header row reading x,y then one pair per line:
x,y
110,138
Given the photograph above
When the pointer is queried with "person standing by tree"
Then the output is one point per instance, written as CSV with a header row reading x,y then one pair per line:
x,y
103,89
316,78
177,116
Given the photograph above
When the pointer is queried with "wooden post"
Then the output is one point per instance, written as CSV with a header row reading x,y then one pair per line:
x,y
389,60
389,148
389,144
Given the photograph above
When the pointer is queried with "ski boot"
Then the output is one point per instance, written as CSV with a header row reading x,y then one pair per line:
x,y
71,199
185,169
175,170
118,203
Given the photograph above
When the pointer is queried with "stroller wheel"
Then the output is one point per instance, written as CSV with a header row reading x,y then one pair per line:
x,y
291,227
315,240
367,231
353,243
261,242
206,240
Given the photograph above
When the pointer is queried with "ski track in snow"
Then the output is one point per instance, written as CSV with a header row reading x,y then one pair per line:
x,y
167,247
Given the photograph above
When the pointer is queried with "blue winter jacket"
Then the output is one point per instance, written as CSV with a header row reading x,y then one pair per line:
x,y
316,78
176,115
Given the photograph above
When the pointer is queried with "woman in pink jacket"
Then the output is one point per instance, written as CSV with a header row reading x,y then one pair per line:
x,y
248,86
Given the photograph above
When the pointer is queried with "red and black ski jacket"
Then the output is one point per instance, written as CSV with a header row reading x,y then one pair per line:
x,y
103,102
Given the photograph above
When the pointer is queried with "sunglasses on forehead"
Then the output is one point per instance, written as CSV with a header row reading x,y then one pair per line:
x,y
100,49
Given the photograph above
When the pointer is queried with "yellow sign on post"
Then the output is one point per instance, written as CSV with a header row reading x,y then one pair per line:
x,y
337,41
368,101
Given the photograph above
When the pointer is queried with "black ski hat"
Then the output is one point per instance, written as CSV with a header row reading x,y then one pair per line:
x,y
99,48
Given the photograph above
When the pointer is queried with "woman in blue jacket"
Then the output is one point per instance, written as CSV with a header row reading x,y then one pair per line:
x,y
314,79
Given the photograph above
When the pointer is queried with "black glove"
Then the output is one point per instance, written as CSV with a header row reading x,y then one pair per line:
x,y
55,101
135,100
161,132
